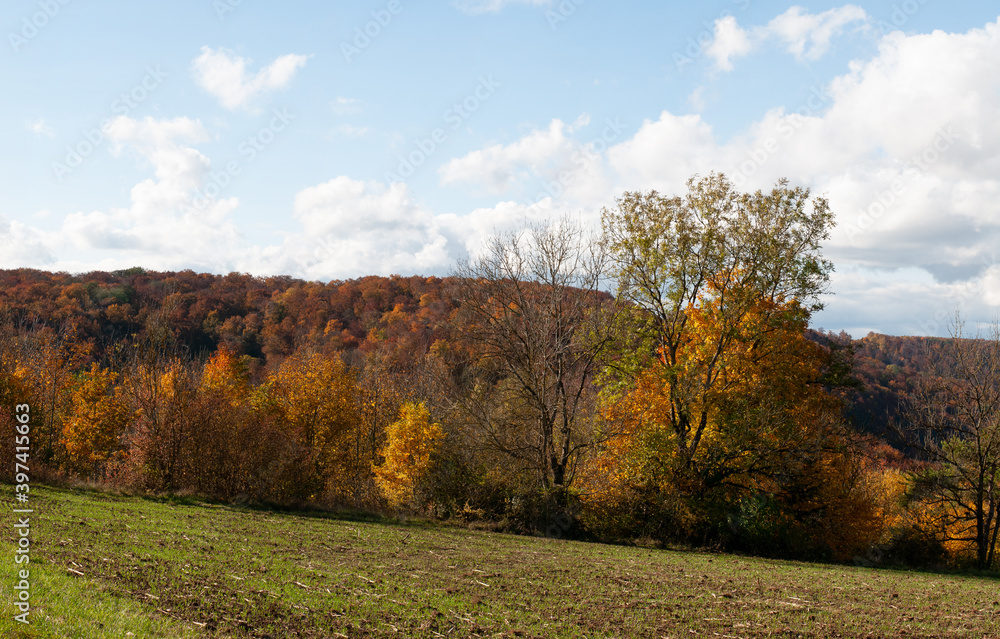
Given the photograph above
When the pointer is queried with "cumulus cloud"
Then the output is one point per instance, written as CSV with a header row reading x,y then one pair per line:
x,y
805,35
21,246
475,7
169,224
225,76
351,228
730,41
549,162
808,35
500,167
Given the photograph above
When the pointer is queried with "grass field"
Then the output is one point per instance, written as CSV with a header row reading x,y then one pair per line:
x,y
115,566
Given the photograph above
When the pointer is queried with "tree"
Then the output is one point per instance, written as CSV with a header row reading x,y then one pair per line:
x,y
536,325
741,265
160,385
410,442
99,417
46,364
955,421
314,397
774,473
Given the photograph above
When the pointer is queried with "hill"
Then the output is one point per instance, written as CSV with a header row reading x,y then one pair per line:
x,y
264,317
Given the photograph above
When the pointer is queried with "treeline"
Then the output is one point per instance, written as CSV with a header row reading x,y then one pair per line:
x,y
692,406
265,318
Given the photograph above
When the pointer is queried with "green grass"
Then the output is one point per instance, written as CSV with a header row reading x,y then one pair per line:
x,y
161,568
66,606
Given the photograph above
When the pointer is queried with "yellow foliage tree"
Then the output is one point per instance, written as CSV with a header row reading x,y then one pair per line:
x,y
227,375
410,442
98,418
315,398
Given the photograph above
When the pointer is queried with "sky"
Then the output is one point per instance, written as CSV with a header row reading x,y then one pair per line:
x,y
332,140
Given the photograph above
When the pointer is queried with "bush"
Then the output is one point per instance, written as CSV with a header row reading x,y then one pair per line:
x,y
759,525
637,512
915,548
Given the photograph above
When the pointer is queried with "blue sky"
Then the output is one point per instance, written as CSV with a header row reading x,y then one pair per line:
x,y
333,140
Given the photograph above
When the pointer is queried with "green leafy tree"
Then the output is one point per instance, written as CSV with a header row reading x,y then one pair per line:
x,y
747,264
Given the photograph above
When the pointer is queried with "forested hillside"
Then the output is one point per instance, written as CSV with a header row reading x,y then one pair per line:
x,y
692,406
269,318
265,318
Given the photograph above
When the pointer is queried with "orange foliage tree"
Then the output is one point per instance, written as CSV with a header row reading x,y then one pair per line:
x,y
728,408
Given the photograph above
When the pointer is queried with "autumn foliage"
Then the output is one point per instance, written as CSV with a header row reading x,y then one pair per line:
x,y
692,406
410,443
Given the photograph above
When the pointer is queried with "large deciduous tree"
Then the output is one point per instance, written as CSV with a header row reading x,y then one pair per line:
x,y
713,276
314,398
536,325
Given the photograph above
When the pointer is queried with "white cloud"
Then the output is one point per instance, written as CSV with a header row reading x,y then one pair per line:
x,y
167,224
544,163
500,167
225,76
351,228
807,36
731,41
663,154
476,7
22,246
39,127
